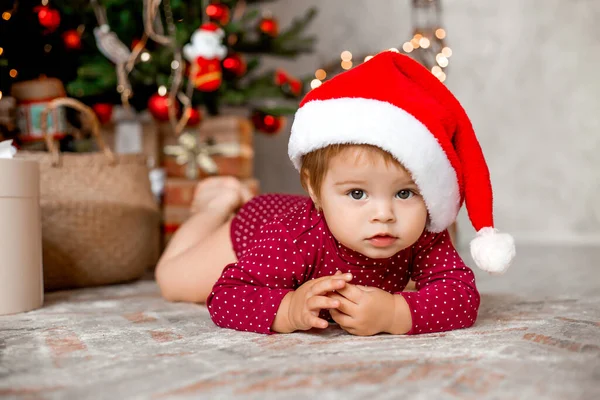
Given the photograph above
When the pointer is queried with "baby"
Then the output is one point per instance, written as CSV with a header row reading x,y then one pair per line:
x,y
387,156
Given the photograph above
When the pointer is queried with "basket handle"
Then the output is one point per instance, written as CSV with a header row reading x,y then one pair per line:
x,y
88,112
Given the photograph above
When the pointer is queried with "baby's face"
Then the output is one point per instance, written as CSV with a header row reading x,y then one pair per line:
x,y
371,207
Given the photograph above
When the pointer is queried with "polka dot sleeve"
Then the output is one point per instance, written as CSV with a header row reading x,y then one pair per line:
x,y
248,294
446,296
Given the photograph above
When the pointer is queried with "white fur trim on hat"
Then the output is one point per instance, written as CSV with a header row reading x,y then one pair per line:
x,y
493,251
320,123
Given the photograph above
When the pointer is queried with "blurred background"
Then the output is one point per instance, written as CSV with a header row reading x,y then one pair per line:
x,y
210,87
525,71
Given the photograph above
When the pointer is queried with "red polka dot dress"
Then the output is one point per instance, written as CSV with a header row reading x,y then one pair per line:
x,y
282,241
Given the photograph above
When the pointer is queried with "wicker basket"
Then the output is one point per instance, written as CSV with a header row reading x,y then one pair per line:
x,y
99,218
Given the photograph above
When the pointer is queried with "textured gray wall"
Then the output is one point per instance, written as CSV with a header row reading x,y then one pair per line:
x,y
527,73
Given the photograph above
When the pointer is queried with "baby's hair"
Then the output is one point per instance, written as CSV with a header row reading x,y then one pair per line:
x,y
315,164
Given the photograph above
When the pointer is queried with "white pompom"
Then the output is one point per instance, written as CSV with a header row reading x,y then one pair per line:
x,y
492,251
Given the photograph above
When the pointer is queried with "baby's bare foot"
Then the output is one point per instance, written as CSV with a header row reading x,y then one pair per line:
x,y
220,194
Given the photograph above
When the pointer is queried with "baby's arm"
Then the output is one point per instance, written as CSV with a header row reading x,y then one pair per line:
x,y
264,291
446,296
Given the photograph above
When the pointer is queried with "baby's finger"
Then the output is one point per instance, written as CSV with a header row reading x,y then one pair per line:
x,y
346,306
321,302
341,318
328,285
317,322
351,292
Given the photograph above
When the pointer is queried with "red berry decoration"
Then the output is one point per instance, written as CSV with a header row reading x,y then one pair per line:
x,y
269,26
72,39
266,123
218,12
49,18
235,65
159,107
103,112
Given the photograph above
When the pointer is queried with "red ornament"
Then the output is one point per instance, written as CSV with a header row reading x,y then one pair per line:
x,y
72,39
48,17
194,117
235,64
103,112
266,123
159,107
269,26
218,12
204,53
288,84
134,43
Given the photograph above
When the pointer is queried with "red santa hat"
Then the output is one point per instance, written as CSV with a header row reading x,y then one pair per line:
x,y
211,27
396,104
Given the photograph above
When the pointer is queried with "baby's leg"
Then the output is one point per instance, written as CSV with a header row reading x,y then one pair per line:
x,y
201,247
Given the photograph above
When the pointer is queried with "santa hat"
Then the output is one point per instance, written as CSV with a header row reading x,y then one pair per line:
x,y
211,27
396,104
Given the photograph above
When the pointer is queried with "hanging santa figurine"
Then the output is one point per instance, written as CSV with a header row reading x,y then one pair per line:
x,y
205,52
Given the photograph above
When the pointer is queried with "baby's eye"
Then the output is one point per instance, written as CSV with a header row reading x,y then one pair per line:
x,y
405,194
357,194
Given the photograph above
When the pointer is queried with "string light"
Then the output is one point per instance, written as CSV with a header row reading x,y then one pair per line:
x,y
162,90
13,73
0,94
315,83
346,64
415,41
145,56
44,2
174,64
441,60
427,43
1,51
6,15
320,74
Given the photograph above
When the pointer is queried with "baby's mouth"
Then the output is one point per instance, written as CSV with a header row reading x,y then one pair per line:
x,y
382,240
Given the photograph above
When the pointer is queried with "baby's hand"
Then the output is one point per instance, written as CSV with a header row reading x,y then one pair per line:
x,y
310,298
363,310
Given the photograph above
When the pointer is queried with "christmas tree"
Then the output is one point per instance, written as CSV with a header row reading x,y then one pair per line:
x,y
143,52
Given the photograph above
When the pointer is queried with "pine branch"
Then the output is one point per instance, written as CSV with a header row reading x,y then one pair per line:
x,y
289,43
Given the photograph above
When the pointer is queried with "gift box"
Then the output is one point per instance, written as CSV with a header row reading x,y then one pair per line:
x,y
225,143
21,274
138,133
177,199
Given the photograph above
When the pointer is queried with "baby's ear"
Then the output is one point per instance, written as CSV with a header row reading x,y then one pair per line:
x,y
305,177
